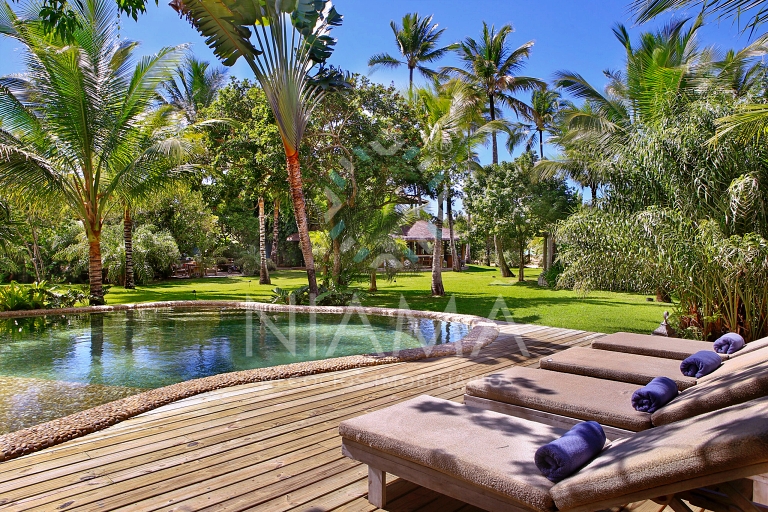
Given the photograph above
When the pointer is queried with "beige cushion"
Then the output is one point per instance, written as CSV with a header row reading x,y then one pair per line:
x,y
604,364
575,396
488,449
720,441
726,389
737,363
655,346
752,346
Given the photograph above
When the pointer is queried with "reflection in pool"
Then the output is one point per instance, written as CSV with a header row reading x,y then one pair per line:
x,y
56,365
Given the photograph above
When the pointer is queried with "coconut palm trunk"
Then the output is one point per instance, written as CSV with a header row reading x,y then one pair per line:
x,y
437,251
263,270
494,141
302,222
500,259
275,231
336,269
373,286
95,268
521,273
130,281
455,260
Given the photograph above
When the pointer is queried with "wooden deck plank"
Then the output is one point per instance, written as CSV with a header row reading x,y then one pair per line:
x,y
265,446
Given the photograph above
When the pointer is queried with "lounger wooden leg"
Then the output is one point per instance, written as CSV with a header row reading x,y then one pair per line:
x,y
377,487
760,489
738,498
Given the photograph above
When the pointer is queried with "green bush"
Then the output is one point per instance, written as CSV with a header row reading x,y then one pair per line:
x,y
17,297
325,297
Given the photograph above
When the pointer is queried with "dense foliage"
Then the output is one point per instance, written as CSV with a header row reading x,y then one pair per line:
x,y
683,209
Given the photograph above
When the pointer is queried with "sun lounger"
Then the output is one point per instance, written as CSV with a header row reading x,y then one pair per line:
x,y
487,459
604,364
654,346
564,399
659,346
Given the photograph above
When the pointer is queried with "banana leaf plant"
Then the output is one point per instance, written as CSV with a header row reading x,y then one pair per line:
x,y
286,43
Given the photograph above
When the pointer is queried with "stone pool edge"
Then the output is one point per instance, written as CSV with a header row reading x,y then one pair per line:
x,y
60,430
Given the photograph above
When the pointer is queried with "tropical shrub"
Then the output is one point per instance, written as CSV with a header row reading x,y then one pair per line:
x,y
18,297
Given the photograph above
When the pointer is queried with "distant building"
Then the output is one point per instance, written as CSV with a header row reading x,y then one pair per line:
x,y
420,237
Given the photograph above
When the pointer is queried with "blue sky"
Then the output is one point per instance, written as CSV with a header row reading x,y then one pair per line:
x,y
569,34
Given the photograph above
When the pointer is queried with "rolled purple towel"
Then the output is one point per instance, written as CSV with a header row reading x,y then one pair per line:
x,y
652,397
565,456
700,364
729,343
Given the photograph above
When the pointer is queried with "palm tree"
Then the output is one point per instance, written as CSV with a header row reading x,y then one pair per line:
x,y
757,9
448,111
291,38
545,105
193,87
417,41
163,156
490,66
70,123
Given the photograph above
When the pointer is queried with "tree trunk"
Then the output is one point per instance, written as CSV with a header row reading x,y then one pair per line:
x,y
275,231
593,190
302,222
500,260
456,260
37,262
437,251
336,269
521,273
263,270
494,142
96,297
410,82
130,281
541,145
468,250
487,260
373,287
545,253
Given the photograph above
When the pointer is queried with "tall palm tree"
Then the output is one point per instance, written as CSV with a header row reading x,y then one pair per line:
x,y
194,86
164,154
448,111
69,125
545,105
756,10
417,41
491,66
291,38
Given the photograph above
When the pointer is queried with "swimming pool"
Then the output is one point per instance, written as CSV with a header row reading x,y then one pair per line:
x,y
59,364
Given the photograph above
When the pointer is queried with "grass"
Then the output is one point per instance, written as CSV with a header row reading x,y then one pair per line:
x,y
475,291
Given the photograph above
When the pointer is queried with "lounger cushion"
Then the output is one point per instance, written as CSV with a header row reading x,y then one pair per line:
x,y
720,441
751,347
574,396
604,364
737,363
730,388
655,346
484,448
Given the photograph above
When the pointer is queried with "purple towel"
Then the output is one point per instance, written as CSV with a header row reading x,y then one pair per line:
x,y
658,393
729,343
565,456
700,364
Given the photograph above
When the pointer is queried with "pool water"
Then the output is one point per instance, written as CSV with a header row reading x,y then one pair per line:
x,y
56,365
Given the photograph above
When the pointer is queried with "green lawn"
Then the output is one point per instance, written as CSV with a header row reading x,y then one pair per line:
x,y
475,291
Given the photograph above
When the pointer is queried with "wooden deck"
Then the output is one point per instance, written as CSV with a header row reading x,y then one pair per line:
x,y
267,446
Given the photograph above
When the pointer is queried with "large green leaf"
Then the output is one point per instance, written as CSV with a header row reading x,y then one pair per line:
x,y
222,25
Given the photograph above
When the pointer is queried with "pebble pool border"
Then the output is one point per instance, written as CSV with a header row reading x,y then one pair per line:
x,y
44,435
